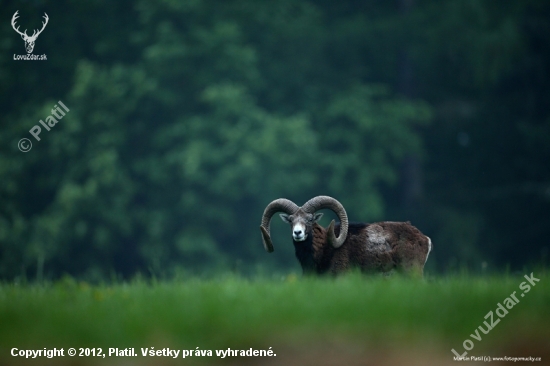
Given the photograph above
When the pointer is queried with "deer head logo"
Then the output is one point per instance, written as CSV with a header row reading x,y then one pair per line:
x,y
29,41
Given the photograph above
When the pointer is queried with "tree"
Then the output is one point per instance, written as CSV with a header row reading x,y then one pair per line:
x,y
172,149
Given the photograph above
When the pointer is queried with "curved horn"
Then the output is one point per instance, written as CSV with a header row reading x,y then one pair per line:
x,y
320,202
279,205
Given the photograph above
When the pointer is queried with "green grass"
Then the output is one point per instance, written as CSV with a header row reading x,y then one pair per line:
x,y
353,314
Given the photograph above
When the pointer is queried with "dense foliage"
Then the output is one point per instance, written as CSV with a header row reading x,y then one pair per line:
x,y
188,117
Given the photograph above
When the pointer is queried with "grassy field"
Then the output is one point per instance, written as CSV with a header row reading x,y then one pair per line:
x,y
351,320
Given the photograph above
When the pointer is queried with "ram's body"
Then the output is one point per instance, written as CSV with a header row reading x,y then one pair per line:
x,y
378,247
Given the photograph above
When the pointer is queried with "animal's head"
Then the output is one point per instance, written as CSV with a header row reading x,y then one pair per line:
x,y
29,40
301,219
301,223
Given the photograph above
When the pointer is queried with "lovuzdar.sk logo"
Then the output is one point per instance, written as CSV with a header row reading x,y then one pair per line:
x,y
29,40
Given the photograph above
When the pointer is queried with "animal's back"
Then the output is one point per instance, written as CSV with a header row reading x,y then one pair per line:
x,y
383,246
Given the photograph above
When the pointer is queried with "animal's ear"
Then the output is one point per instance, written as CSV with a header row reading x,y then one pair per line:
x,y
317,216
285,218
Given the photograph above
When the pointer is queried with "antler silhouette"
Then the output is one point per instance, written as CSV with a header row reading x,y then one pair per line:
x,y
15,16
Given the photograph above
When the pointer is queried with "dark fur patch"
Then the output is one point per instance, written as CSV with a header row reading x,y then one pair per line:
x,y
304,253
354,228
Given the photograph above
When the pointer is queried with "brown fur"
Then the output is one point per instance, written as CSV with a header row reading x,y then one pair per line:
x,y
378,247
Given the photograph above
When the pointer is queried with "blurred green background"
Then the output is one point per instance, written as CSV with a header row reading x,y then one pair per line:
x,y
188,117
